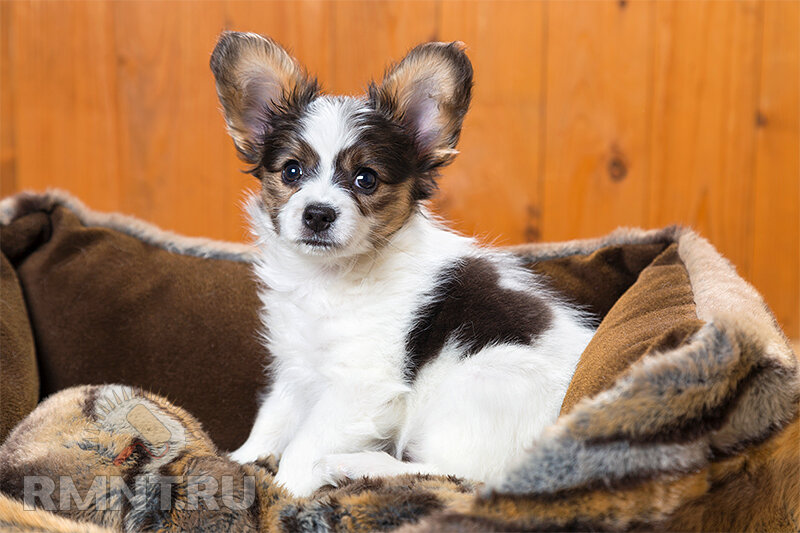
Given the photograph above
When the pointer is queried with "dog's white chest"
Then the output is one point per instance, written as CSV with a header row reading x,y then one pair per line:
x,y
332,327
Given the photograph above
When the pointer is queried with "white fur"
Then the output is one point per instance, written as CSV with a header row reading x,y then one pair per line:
x,y
329,126
338,324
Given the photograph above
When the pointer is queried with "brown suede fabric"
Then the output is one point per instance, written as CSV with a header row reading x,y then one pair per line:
x,y
656,313
106,307
596,281
19,386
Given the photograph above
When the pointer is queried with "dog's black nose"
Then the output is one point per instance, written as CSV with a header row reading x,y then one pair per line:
x,y
318,217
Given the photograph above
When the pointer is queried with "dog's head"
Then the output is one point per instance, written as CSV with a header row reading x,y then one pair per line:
x,y
339,175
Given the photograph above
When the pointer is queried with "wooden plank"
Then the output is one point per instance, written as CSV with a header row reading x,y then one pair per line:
x,y
492,188
703,133
776,243
64,120
179,166
8,172
596,162
304,27
366,36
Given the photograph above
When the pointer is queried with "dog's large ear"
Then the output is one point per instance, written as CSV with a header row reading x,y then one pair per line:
x,y
256,80
428,93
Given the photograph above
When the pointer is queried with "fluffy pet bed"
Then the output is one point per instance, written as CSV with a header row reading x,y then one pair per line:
x,y
682,414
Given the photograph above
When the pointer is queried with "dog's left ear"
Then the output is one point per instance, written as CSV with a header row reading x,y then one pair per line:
x,y
428,93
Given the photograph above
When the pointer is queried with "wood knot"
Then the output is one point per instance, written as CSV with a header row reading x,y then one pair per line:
x,y
761,119
617,168
532,232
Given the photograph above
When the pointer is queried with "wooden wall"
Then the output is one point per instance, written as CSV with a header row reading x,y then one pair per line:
x,y
587,115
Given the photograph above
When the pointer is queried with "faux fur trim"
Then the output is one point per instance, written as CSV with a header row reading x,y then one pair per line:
x,y
547,250
28,202
720,292
15,517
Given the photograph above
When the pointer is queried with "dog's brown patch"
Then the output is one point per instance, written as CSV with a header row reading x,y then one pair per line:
x,y
388,150
277,150
470,307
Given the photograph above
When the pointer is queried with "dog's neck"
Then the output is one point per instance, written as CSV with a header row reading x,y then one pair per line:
x,y
419,245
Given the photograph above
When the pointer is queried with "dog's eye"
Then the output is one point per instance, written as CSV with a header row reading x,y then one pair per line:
x,y
292,171
366,180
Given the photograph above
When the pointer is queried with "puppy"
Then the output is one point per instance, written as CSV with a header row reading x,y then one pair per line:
x,y
398,346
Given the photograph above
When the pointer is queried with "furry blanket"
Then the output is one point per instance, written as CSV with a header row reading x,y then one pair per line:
x,y
682,414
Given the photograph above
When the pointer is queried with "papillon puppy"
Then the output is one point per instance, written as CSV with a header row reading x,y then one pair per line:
x,y
398,346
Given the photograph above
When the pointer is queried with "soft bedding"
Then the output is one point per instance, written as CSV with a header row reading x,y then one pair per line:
x,y
682,413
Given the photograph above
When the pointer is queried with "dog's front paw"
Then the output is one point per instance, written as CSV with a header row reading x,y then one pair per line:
x,y
336,468
298,482
247,454
332,470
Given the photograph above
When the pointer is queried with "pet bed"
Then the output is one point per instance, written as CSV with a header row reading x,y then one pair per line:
x,y
682,413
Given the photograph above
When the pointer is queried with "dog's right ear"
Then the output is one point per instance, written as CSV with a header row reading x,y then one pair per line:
x,y
256,81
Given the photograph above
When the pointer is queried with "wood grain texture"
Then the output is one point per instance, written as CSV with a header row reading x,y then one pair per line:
x,y
776,195
586,115
703,130
596,158
492,188
64,120
8,157
366,36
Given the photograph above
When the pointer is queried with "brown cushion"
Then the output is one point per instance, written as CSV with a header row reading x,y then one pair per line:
x,y
656,313
106,307
19,386
597,280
